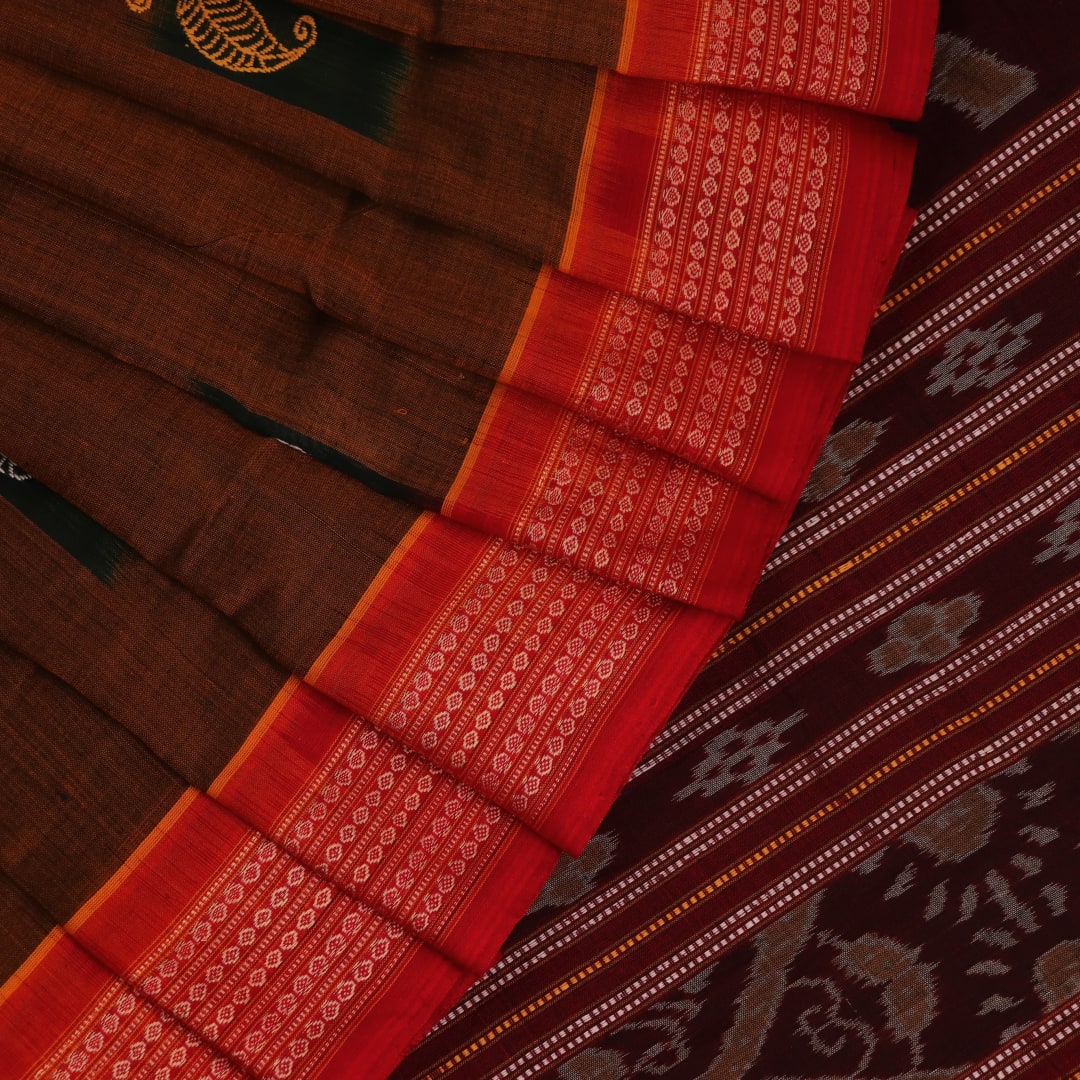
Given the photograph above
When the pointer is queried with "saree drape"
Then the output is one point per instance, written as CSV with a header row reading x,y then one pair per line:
x,y
916,625
399,403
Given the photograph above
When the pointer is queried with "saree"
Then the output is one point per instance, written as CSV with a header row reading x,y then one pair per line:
x,y
400,403
916,625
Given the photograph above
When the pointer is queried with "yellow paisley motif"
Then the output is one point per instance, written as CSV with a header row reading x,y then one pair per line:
x,y
234,35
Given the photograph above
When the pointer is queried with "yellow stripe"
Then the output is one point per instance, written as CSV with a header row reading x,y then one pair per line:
x,y
27,967
365,601
527,322
577,208
757,857
627,45
901,532
479,437
132,862
254,738
973,242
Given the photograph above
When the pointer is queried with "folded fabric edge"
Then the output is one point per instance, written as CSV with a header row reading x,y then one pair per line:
x,y
641,716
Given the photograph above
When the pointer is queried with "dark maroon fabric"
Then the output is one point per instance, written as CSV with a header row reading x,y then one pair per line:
x,y
927,594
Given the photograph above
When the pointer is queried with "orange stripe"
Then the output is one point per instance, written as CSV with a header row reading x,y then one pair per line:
x,y
798,597
513,358
477,445
28,966
365,601
766,850
281,698
132,862
162,827
584,168
973,242
627,45
902,531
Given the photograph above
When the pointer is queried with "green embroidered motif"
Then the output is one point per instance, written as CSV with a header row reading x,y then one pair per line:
x,y
233,34
353,78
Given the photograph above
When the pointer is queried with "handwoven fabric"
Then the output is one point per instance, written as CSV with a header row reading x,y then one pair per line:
x,y
399,406
852,852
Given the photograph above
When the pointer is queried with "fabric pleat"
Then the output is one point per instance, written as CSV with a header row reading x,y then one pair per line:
x,y
400,401
851,851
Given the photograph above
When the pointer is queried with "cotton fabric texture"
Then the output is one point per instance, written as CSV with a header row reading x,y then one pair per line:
x,y
906,676
399,406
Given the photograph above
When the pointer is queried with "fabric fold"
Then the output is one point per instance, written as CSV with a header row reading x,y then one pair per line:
x,y
858,55
615,209
346,800
718,399
395,417
563,640
495,460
